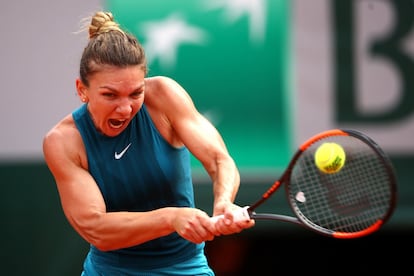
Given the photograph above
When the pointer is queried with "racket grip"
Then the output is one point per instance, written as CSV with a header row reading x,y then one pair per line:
x,y
238,215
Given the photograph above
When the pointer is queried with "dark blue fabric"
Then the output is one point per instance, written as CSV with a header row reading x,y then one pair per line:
x,y
150,174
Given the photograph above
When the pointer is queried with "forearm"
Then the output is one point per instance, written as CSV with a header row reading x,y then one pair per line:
x,y
226,184
115,230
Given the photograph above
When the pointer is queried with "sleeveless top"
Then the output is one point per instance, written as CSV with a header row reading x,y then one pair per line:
x,y
138,170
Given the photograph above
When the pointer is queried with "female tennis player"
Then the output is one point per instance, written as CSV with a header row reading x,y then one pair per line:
x,y
121,162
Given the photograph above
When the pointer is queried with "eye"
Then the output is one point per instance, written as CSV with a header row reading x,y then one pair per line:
x,y
137,94
109,95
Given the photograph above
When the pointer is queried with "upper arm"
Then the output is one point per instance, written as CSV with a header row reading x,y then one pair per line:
x,y
80,197
197,133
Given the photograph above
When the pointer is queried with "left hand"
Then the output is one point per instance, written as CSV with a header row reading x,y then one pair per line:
x,y
226,224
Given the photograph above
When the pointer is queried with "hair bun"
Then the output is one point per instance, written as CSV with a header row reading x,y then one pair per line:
x,y
102,22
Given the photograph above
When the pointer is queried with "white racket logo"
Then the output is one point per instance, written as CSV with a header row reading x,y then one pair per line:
x,y
300,196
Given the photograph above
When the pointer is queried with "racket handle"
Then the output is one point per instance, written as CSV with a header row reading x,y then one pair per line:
x,y
238,215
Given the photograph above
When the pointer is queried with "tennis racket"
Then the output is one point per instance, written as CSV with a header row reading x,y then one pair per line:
x,y
353,202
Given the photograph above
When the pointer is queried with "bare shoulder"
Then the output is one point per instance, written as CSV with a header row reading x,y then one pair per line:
x,y
165,90
170,107
63,129
162,84
62,142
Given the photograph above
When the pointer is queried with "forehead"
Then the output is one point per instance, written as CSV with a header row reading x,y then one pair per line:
x,y
118,77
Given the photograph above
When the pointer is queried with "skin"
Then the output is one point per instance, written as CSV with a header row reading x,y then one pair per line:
x,y
114,96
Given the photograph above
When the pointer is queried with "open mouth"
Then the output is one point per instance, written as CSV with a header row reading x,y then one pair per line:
x,y
116,123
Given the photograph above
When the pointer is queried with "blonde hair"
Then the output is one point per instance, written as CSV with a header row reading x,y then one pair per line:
x,y
103,22
109,45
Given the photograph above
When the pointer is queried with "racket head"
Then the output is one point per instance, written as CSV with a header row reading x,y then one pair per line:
x,y
353,202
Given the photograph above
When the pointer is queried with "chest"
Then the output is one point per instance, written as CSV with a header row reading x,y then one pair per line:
x,y
140,172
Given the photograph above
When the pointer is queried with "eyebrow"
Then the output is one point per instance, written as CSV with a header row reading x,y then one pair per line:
x,y
142,85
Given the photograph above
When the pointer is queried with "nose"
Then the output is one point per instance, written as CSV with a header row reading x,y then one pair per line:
x,y
124,107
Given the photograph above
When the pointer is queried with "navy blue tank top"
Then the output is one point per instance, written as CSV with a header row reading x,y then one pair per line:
x,y
138,170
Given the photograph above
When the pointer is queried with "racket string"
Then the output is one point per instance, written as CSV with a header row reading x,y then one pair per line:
x,y
347,201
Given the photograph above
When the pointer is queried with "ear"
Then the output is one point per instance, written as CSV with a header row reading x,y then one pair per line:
x,y
81,89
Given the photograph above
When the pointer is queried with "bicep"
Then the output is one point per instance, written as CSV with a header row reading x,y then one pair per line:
x,y
202,139
80,197
194,130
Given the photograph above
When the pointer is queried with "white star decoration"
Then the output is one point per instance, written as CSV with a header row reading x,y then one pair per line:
x,y
164,37
234,9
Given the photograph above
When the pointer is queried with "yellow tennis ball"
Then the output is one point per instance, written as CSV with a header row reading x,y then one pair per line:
x,y
330,157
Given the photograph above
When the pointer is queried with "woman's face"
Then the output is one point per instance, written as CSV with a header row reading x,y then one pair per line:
x,y
114,96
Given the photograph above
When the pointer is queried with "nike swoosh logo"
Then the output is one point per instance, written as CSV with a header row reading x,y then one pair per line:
x,y
119,155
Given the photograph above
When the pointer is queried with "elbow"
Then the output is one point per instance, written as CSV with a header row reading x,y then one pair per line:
x,y
98,239
90,229
102,245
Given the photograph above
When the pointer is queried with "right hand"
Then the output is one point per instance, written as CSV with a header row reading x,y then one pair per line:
x,y
194,225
